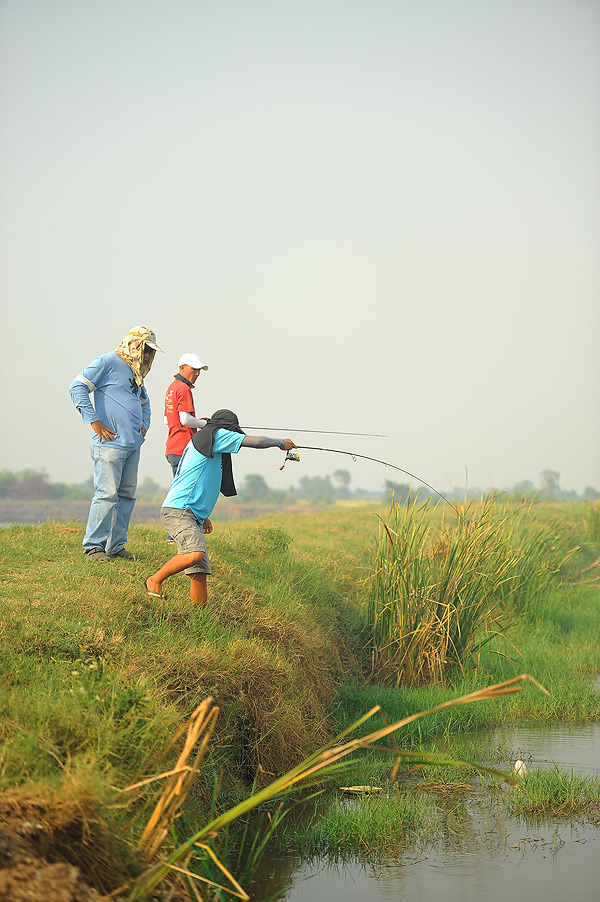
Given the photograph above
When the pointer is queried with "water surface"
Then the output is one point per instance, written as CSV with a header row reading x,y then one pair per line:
x,y
482,854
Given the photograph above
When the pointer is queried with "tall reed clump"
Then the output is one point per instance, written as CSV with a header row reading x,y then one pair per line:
x,y
441,592
538,550
433,596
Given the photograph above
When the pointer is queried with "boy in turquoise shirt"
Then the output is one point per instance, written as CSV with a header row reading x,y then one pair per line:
x,y
204,471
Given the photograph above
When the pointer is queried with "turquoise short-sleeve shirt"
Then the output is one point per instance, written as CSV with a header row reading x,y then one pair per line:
x,y
198,480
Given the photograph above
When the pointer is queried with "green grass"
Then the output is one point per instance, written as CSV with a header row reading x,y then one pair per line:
x,y
556,793
364,825
562,650
96,678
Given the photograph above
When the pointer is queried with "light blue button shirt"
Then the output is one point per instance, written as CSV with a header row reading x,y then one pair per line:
x,y
119,402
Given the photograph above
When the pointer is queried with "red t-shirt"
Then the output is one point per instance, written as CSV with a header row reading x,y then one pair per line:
x,y
178,397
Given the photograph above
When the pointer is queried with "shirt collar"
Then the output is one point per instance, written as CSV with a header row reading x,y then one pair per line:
x,y
183,379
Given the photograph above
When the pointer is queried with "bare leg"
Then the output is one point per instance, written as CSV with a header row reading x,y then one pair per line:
x,y
176,565
198,589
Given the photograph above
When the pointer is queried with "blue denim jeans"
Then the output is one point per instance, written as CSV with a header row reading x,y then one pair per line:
x,y
115,481
174,459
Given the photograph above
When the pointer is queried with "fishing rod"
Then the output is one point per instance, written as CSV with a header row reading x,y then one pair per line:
x,y
315,431
293,455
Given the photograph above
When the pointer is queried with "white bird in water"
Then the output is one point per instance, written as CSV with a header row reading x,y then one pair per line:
x,y
519,767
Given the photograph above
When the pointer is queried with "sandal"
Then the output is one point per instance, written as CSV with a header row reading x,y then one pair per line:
x,y
151,593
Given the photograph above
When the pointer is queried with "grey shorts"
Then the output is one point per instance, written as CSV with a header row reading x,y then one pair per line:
x,y
188,534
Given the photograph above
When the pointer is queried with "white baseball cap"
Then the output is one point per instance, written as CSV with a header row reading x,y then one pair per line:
x,y
192,360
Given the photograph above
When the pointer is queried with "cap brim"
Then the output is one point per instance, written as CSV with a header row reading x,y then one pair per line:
x,y
151,344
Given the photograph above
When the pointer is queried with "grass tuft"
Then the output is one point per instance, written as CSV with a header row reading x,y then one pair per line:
x,y
557,793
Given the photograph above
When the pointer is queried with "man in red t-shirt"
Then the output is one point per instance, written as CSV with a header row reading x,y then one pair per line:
x,y
180,413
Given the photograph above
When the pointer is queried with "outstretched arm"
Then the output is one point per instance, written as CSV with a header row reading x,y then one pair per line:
x,y
264,441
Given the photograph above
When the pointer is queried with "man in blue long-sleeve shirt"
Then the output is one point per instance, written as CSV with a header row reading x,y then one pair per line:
x,y
120,418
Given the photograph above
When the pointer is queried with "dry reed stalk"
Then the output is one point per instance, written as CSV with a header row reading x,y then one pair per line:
x,y
238,892
591,566
586,582
201,724
507,687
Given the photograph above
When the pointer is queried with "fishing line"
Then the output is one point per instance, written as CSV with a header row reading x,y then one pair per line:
x,y
377,461
395,438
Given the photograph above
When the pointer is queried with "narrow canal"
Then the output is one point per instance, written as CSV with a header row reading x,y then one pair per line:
x,y
482,853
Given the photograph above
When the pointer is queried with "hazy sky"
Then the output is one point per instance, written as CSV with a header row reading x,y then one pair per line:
x,y
378,216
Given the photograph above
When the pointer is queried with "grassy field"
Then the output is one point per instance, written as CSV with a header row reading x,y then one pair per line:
x,y
97,679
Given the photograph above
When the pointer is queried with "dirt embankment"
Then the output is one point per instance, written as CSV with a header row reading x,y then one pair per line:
x,y
31,831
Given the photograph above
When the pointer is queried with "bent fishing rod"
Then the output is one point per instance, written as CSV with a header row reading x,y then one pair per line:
x,y
292,455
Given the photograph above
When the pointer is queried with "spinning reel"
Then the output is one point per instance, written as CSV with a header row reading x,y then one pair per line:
x,y
290,455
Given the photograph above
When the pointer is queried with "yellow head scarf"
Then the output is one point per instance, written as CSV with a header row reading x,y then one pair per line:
x,y
131,349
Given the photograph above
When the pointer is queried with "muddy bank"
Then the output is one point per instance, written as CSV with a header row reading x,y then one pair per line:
x,y
45,850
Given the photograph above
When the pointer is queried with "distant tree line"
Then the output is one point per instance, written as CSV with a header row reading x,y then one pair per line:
x,y
549,490
35,484
316,489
